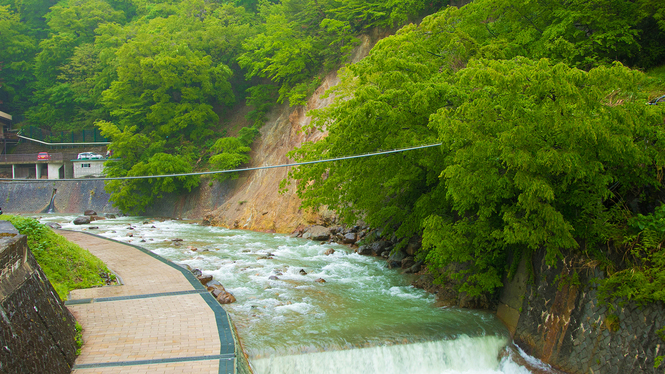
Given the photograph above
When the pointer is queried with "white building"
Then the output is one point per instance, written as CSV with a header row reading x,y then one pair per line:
x,y
86,168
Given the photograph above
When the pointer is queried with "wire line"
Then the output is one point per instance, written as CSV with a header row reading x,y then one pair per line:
x,y
228,171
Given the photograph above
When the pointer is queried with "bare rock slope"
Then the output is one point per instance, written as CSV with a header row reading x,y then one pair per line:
x,y
254,202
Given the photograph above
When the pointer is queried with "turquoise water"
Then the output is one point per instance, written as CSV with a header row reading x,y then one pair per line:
x,y
364,318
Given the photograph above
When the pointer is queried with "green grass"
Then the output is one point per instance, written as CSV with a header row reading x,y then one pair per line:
x,y
66,265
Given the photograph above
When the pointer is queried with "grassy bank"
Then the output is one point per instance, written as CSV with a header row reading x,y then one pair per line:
x,y
66,265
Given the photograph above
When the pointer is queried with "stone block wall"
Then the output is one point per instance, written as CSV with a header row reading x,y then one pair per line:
x,y
562,322
37,332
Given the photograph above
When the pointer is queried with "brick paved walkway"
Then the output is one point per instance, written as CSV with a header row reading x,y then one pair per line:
x,y
161,320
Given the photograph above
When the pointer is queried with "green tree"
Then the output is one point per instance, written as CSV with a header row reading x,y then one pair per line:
x,y
228,153
535,153
16,59
166,87
383,103
133,158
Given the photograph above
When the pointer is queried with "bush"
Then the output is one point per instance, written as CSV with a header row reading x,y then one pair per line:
x,y
66,265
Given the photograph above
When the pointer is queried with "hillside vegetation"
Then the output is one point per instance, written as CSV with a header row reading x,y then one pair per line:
x,y
547,137
541,107
161,78
66,265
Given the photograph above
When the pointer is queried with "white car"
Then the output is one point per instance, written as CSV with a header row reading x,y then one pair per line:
x,y
89,156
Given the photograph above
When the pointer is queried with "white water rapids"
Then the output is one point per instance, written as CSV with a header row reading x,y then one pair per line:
x,y
364,318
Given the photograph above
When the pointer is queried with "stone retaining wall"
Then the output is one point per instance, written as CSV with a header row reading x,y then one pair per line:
x,y
562,322
37,332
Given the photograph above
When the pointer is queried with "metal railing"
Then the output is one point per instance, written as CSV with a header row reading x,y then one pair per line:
x,y
32,157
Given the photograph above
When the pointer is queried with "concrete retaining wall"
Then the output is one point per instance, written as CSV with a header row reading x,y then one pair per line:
x,y
37,333
71,197
562,322
77,197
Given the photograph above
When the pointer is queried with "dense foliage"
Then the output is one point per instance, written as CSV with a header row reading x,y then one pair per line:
x,y
546,135
166,74
66,265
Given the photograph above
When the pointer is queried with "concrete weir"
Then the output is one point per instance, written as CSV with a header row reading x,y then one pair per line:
x,y
161,319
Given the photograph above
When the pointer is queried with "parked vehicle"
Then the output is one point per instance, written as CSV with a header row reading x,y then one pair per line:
x,y
89,156
44,156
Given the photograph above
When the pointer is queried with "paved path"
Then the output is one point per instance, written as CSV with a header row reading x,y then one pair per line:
x,y
161,320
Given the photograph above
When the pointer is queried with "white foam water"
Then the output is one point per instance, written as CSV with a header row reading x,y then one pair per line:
x,y
477,355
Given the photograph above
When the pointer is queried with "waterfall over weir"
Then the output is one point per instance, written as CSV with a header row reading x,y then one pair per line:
x,y
299,310
461,355
51,206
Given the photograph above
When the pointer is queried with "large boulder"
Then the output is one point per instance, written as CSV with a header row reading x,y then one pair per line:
x,y
226,297
365,250
349,238
204,279
414,245
397,256
53,225
82,220
378,247
408,262
89,213
318,233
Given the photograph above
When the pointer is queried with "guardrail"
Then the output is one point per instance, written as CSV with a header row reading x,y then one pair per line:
x,y
32,157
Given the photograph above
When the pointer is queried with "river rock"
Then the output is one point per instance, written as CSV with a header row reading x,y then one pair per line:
x,y
364,250
397,256
393,264
349,238
197,273
378,247
413,246
193,249
318,233
329,251
226,297
273,277
407,262
93,227
176,240
89,213
204,279
82,220
96,218
212,284
302,272
415,268
300,229
53,225
109,215
320,280
130,235
185,266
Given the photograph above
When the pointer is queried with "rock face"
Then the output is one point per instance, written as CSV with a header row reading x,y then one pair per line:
x,y
565,325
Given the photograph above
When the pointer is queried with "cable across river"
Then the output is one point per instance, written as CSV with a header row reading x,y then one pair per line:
x,y
229,170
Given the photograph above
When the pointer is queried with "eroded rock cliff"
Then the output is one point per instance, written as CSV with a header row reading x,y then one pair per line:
x,y
254,201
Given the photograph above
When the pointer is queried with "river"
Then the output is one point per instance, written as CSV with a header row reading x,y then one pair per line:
x,y
364,318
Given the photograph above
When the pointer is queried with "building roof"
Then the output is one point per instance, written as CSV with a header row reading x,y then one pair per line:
x,y
5,116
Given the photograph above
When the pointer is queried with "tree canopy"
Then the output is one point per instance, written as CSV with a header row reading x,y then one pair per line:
x,y
170,72
539,149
